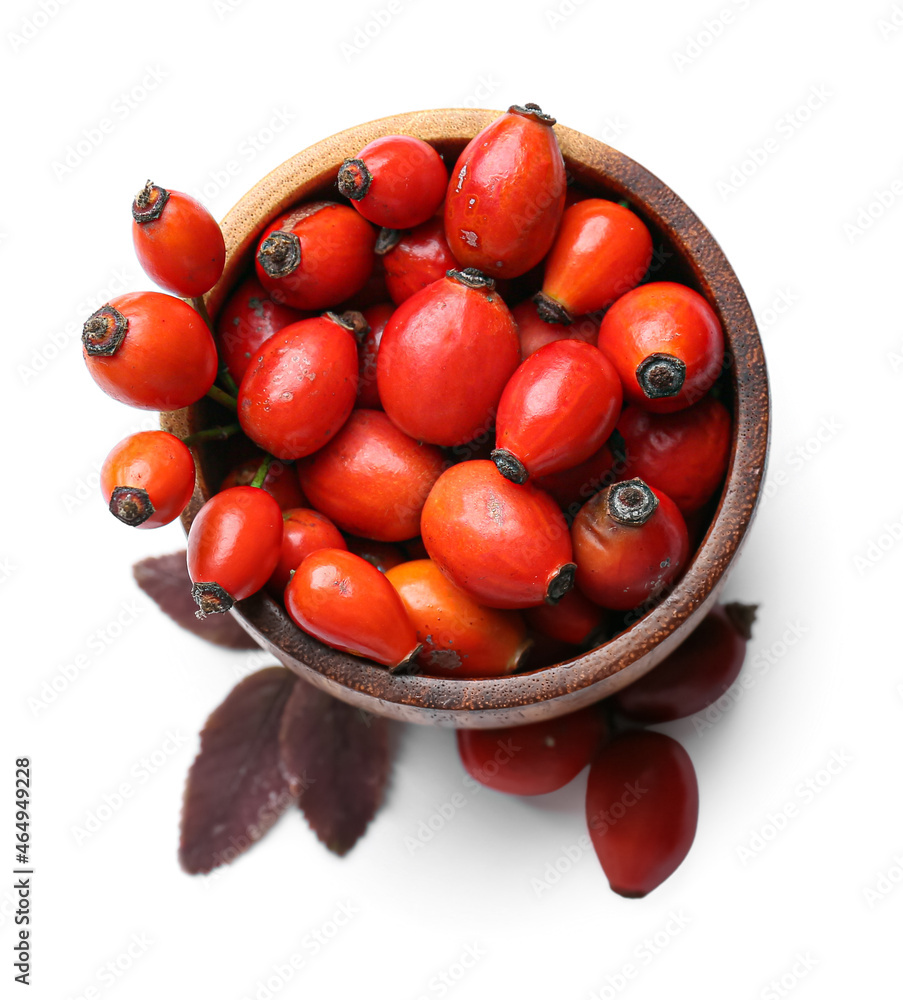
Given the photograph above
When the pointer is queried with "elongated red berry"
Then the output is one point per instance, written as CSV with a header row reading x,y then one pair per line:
x,y
557,410
666,343
630,543
372,479
301,386
316,255
233,547
506,194
534,759
417,259
697,673
396,181
506,545
343,601
147,479
303,531
456,332
150,350
602,250
178,242
642,806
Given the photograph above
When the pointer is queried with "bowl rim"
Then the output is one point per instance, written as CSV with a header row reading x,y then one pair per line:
x,y
590,676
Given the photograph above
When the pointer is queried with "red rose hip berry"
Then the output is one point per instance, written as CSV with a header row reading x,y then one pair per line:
x,y
147,479
343,601
367,389
506,194
396,181
534,332
417,259
303,531
505,545
177,241
630,542
642,806
557,410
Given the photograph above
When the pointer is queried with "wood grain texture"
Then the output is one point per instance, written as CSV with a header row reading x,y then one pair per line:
x,y
692,255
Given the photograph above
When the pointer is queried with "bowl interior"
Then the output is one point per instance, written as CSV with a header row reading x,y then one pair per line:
x,y
684,251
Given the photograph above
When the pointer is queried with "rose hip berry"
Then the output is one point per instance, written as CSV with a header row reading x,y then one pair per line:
x,y
233,547
534,332
150,350
372,479
571,488
456,331
574,619
367,389
147,479
602,250
684,454
505,545
506,194
630,542
316,255
281,480
666,343
303,531
697,673
556,411
301,386
534,759
178,242
460,637
417,259
642,806
396,181
343,601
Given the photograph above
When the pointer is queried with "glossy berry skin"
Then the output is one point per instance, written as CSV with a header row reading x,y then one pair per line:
x,y
602,250
573,620
534,759
696,674
303,531
642,806
249,318
150,350
233,547
534,332
571,488
455,332
316,255
281,481
671,328
619,566
367,389
506,195
300,387
684,454
396,181
181,246
460,637
147,479
558,409
372,479
418,259
343,601
382,555
505,545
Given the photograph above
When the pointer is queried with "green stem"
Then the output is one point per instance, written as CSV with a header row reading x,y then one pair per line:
x,y
228,382
223,398
201,306
212,434
262,472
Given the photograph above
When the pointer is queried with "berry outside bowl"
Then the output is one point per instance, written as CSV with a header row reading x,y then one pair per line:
x,y
684,251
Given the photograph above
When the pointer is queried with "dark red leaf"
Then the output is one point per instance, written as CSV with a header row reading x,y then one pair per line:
x,y
236,787
166,580
337,759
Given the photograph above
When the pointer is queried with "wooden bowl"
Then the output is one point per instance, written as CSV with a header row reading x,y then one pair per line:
x,y
685,251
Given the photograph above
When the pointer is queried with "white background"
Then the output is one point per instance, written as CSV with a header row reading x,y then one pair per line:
x,y
692,90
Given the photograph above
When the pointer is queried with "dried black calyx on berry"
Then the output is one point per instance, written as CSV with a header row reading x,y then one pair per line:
x,y
211,599
532,111
409,664
510,466
551,311
661,375
631,503
472,278
104,331
387,240
561,583
352,321
149,203
354,179
280,254
131,505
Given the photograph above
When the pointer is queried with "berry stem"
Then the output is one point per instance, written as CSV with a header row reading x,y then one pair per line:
x,y
262,472
223,398
225,376
212,434
201,307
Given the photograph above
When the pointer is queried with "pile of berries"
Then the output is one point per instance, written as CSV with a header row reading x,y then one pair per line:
x,y
391,334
